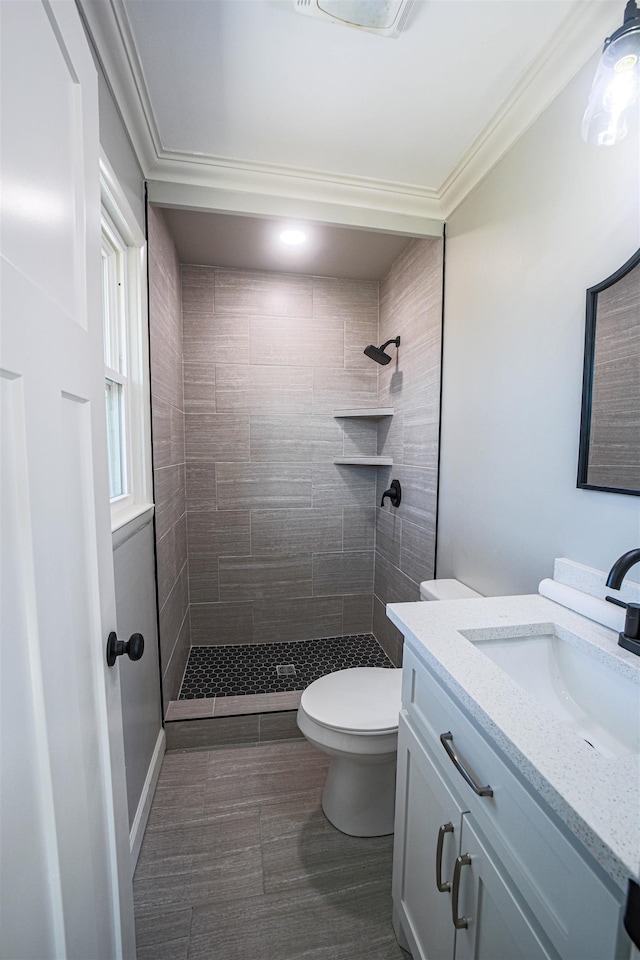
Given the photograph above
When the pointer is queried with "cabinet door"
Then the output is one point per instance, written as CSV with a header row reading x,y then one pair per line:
x,y
426,811
497,928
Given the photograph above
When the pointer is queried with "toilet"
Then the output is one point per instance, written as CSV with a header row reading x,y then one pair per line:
x,y
352,715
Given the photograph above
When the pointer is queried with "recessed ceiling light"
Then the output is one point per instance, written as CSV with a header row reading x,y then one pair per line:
x,y
293,237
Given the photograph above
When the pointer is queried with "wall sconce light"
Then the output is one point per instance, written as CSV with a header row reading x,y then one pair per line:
x,y
616,85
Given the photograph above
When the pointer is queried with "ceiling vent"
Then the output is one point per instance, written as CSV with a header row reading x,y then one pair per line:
x,y
384,17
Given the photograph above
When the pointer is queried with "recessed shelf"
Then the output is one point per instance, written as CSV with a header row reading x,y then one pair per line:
x,y
365,461
368,413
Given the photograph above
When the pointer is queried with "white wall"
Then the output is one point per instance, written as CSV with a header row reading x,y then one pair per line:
x,y
134,569
134,556
553,218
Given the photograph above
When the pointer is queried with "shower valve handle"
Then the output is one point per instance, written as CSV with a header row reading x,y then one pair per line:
x,y
394,493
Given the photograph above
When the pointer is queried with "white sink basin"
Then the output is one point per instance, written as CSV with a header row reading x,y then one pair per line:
x,y
594,698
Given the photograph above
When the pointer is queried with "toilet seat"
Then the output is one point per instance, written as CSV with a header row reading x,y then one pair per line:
x,y
362,701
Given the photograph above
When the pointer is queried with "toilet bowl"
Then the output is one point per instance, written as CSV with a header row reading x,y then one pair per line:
x,y
352,716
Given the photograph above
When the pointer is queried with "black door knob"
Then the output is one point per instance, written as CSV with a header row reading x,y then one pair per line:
x,y
133,647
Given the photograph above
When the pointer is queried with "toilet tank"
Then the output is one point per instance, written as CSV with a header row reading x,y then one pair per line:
x,y
446,590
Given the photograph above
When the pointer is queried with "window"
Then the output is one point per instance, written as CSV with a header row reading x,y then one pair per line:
x,y
125,354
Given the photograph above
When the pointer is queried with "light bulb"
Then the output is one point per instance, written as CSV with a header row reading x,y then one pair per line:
x,y
293,237
616,85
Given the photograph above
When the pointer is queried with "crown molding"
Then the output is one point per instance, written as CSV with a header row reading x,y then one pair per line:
x,y
263,189
581,35
108,27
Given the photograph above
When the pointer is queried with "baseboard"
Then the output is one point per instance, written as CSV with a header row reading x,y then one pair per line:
x,y
144,806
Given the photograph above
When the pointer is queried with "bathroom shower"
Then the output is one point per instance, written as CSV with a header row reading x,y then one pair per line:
x,y
378,354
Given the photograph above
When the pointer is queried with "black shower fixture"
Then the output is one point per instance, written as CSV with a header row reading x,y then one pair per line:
x,y
378,354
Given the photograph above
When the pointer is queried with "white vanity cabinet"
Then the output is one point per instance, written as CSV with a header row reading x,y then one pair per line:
x,y
432,892
521,887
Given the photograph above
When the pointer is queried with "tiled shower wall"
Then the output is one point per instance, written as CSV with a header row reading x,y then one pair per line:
x,y
167,407
410,307
280,539
260,536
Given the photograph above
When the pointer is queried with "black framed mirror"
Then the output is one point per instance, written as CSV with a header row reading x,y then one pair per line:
x,y
609,454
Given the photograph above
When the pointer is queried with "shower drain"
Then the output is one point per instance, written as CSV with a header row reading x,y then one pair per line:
x,y
286,670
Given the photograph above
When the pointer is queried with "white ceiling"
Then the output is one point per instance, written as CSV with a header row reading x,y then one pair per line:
x,y
247,107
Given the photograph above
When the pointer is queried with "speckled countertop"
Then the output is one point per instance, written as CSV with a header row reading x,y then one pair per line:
x,y
597,797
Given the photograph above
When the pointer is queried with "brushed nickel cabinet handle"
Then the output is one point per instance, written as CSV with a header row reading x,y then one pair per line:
x,y
445,739
460,923
445,886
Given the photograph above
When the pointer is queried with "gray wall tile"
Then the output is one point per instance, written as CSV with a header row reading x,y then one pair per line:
x,y
297,343
172,614
217,337
280,620
416,553
262,578
335,389
358,528
173,670
248,292
295,438
283,532
199,385
170,491
337,485
213,623
387,635
197,284
391,585
421,430
201,485
203,580
190,734
263,389
216,437
360,437
418,494
171,556
279,726
358,335
275,485
352,299
388,533
340,574
357,614
212,533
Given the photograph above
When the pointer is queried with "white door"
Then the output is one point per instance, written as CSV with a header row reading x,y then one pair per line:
x,y
65,884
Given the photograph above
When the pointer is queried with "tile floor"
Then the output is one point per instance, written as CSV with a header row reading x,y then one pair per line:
x,y
239,863
262,668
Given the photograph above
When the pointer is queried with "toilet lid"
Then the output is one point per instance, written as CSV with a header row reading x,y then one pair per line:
x,y
363,699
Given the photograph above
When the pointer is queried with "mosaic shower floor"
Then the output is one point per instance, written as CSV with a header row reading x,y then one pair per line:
x,y
261,668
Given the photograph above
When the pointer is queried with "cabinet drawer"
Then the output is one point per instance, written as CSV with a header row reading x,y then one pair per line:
x,y
578,912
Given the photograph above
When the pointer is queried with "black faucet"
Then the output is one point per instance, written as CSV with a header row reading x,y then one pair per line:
x,y
630,636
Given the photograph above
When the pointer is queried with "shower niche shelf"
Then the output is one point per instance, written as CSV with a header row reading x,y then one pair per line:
x,y
366,413
365,461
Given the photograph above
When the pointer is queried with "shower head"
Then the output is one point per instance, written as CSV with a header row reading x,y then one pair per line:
x,y
378,354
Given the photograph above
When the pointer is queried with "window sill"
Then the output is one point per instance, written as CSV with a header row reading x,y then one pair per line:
x,y
130,522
